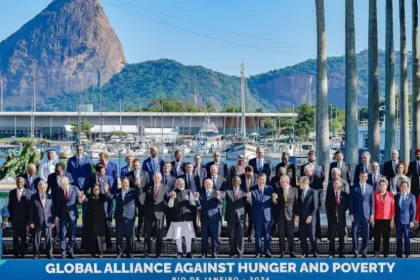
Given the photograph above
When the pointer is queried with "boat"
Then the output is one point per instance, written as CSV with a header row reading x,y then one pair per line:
x,y
114,139
208,137
83,139
248,150
95,149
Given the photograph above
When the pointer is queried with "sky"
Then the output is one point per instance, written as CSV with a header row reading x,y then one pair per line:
x,y
221,34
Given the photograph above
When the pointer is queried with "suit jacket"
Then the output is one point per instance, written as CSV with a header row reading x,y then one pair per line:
x,y
194,184
183,206
144,179
53,183
384,208
261,204
177,173
202,174
234,171
219,184
244,183
330,188
335,210
309,206
318,170
151,168
169,180
345,171
81,171
68,208
388,170
414,174
357,170
19,210
154,207
111,170
235,207
124,171
126,208
39,215
287,210
211,208
32,186
266,167
394,184
405,211
91,181
376,184
290,168
317,178
223,172
361,206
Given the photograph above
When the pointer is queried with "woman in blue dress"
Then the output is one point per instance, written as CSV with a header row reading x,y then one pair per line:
x,y
4,214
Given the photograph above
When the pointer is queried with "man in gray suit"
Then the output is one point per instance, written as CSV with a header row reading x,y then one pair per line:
x,y
42,218
286,198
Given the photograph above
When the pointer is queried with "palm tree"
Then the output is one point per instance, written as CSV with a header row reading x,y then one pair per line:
x,y
404,128
373,93
415,107
322,124
389,83
351,89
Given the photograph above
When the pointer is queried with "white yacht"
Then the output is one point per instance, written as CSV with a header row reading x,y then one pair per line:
x,y
248,150
95,149
114,139
208,137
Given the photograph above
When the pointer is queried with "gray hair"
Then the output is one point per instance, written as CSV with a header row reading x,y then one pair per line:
x,y
42,182
208,180
129,156
366,153
305,180
64,180
157,174
236,178
31,165
215,166
285,177
309,166
336,170
179,181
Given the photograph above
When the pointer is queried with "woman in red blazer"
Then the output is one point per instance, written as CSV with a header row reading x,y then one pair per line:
x,y
384,217
418,210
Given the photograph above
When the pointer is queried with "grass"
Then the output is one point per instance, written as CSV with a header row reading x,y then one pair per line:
x,y
20,139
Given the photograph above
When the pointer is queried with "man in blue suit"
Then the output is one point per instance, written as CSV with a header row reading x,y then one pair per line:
x,y
31,178
405,216
152,164
308,207
260,199
178,167
129,167
210,203
126,203
80,167
261,164
361,210
67,199
375,176
110,169
42,218
167,178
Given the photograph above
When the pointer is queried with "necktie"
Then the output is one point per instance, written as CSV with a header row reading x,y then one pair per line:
x,y
165,180
67,195
249,184
393,166
79,162
43,201
363,189
260,166
365,168
19,195
286,195
236,194
156,191
189,180
262,192
336,197
374,180
303,196
214,181
208,194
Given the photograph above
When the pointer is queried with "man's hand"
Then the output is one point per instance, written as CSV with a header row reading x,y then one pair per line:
x,y
297,219
309,220
217,195
173,195
352,218
392,223
196,195
275,196
411,225
106,188
371,219
248,195
32,225
138,181
3,225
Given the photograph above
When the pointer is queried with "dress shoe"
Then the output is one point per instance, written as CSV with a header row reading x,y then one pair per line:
x,y
119,256
203,256
129,256
342,256
281,255
146,255
376,255
231,256
304,256
101,256
240,257
190,255
35,257
386,256
63,255
92,256
315,255
179,255
71,255
22,256
257,256
364,256
158,256
356,256
214,256
331,256
268,255
50,257
293,256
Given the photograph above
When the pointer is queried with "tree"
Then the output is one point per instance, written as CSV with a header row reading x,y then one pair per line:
x,y
404,128
373,92
305,120
351,114
389,83
85,128
15,165
322,127
120,133
415,107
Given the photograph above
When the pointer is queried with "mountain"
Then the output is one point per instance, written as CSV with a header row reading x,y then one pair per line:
x,y
65,47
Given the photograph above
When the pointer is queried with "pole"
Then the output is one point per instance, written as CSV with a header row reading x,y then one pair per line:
x,y
79,127
120,121
161,127
243,127
293,122
1,92
34,88
100,104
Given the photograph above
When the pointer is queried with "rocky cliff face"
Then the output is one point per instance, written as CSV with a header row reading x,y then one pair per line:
x,y
68,47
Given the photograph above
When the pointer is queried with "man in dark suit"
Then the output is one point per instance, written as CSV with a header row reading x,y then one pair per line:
x,y
361,210
336,175
31,178
249,179
154,198
289,166
337,205
126,203
192,180
128,168
286,199
390,167
236,200
308,207
80,167
311,161
210,202
261,164
54,180
345,172
261,214
42,218
67,199
222,167
219,182
19,201
178,167
414,174
405,217
167,178
316,177
364,166
152,164
375,177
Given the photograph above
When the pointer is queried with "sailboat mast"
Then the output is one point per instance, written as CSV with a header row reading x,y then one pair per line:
x,y
243,128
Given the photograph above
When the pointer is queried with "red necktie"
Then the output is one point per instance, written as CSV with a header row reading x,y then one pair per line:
x,y
236,194
67,195
43,201
156,191
336,197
